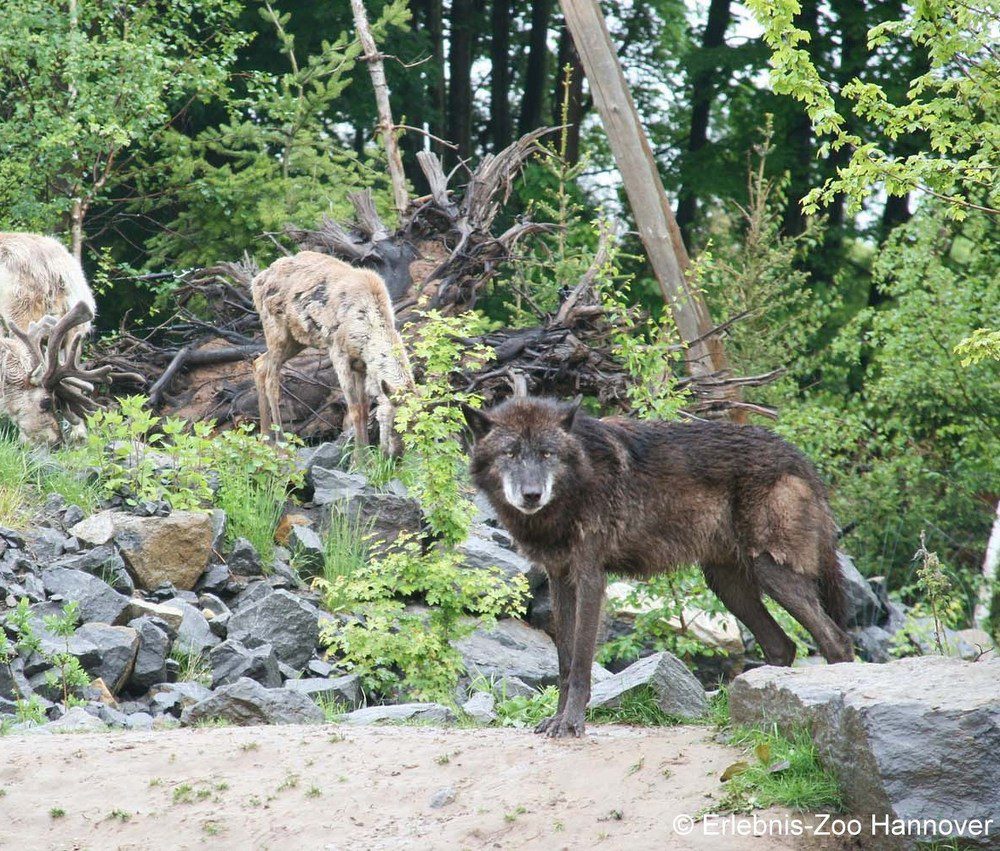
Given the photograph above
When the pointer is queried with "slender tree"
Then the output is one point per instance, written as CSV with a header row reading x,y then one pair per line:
x,y
536,74
460,76
705,83
501,126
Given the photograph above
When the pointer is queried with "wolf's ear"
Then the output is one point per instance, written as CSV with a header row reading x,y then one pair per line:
x,y
570,416
479,422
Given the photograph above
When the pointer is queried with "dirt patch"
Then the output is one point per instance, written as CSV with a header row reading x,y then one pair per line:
x,y
337,787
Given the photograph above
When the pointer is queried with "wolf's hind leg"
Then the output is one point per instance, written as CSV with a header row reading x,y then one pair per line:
x,y
799,594
740,593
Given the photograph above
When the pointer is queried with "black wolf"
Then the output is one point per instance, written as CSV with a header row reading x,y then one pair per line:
x,y
584,496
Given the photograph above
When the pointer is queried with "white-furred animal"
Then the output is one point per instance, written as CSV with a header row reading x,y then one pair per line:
x,y
314,300
47,309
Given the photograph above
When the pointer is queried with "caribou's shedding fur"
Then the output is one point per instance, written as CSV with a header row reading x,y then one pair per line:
x,y
314,300
40,282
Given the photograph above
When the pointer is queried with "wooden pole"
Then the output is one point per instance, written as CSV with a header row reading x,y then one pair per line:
x,y
634,158
386,128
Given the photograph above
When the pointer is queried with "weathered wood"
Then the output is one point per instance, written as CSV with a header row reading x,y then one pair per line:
x,y
634,158
386,128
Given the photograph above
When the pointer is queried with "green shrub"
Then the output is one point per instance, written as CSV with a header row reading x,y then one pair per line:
x,y
392,645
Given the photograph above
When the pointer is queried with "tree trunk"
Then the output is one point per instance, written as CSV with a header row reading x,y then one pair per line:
x,y
536,74
577,106
386,127
77,213
501,126
991,566
435,25
460,77
634,158
703,86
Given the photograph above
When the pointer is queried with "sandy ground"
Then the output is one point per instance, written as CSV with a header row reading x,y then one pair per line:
x,y
335,787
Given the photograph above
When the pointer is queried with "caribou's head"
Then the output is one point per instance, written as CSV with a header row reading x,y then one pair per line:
x,y
42,383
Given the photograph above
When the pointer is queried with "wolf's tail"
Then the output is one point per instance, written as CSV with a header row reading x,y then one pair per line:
x,y
831,585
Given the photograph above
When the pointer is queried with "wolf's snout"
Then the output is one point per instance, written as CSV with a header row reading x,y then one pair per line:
x,y
531,497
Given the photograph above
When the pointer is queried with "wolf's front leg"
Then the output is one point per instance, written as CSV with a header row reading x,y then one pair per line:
x,y
563,596
589,598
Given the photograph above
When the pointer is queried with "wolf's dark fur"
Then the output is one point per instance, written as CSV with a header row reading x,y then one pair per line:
x,y
642,497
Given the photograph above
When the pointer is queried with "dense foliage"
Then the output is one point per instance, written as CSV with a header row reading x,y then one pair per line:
x,y
156,136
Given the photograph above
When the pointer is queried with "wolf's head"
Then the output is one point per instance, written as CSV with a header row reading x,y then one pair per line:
x,y
524,450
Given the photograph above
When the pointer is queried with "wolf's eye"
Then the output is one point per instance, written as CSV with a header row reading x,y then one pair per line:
x,y
546,454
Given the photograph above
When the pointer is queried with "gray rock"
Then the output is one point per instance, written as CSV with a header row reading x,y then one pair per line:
x,y
213,604
335,486
913,738
220,626
326,456
479,707
319,668
247,702
217,579
401,713
244,559
151,658
14,683
104,563
862,605
219,521
98,600
112,655
232,661
171,616
345,689
282,620
139,721
195,637
46,545
507,687
480,552
77,720
388,514
307,549
442,798
873,643
173,698
677,690
253,593
513,649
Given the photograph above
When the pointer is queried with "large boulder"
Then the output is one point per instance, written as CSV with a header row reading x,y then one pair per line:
x,y
232,661
174,698
246,702
912,739
111,654
514,649
98,600
401,713
862,605
335,486
151,658
288,624
102,562
174,549
195,636
345,689
677,690
480,552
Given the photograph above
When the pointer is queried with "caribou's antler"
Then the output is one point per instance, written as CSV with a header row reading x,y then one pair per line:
x,y
57,367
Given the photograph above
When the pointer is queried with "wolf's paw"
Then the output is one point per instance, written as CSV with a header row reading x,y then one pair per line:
x,y
566,727
547,724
